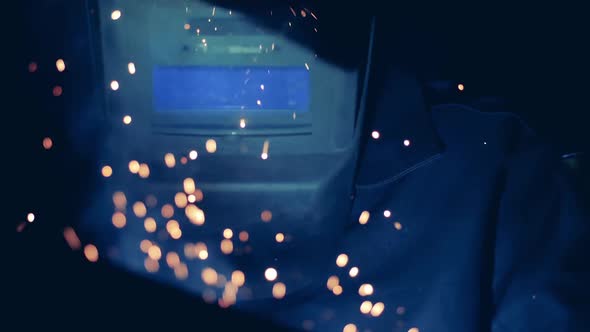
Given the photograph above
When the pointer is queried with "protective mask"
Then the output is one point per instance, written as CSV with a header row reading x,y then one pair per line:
x,y
233,138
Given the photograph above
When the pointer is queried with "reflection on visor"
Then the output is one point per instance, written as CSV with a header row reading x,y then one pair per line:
x,y
231,88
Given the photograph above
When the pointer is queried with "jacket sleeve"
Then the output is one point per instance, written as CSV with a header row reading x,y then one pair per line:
x,y
541,277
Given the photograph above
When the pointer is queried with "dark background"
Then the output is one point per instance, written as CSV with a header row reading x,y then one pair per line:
x,y
526,59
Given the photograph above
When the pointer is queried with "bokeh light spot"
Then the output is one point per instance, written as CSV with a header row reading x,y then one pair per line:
x,y
91,253
279,290
280,237
131,68
270,274
364,217
115,15
266,216
57,91
119,219
342,260
211,145
150,225
106,171
377,309
60,65
47,143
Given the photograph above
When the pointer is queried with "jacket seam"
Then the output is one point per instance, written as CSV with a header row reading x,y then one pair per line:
x,y
401,174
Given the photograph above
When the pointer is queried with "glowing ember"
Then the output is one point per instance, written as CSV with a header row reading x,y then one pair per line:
x,y
387,213
242,123
203,254
60,65
228,233
397,225
364,217
354,271
150,225
377,309
119,200
145,245
172,225
406,142
57,91
180,200
211,146
366,290
189,185
238,278
337,290
350,328
91,253
32,67
127,119
198,195
144,171
414,329
119,219
280,237
366,307
194,214
115,15
209,276
131,68
167,211
460,87
342,260
279,290
72,238
332,282
227,246
134,166
139,209
375,134
172,259
169,160
193,155
114,85
155,252
106,171
243,236
30,217
151,265
265,147
187,26
181,271
47,143
266,216
270,274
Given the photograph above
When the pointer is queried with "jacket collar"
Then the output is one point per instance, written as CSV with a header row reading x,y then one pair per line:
x,y
407,136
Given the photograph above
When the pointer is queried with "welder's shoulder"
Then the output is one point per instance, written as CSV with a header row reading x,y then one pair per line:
x,y
461,127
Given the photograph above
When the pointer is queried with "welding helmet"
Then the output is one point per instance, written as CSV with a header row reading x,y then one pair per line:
x,y
233,134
